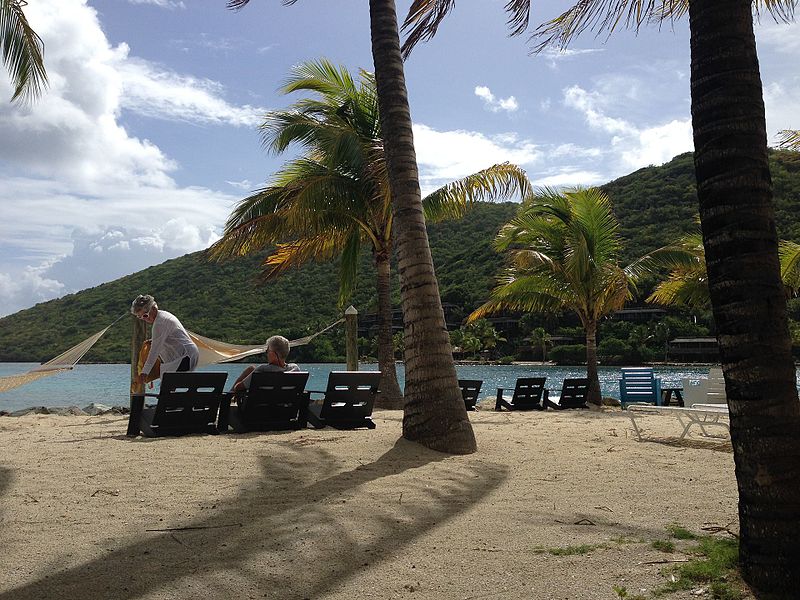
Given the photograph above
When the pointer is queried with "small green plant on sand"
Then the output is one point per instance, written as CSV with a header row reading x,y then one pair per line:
x,y
663,545
714,566
680,533
572,550
623,593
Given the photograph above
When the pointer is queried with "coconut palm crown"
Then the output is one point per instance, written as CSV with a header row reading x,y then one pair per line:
x,y
563,250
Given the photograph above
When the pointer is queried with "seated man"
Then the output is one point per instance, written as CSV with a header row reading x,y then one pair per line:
x,y
277,352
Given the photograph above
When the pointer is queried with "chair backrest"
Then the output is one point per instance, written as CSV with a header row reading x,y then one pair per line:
x,y
350,396
528,392
470,388
573,393
708,390
638,384
273,400
188,402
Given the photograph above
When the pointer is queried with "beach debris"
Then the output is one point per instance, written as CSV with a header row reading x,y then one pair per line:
x,y
107,492
95,409
197,527
606,508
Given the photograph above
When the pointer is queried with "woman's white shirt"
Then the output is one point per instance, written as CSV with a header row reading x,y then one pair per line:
x,y
171,342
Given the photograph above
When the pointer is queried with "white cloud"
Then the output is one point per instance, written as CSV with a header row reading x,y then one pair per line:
x,y
170,4
83,200
495,104
635,146
781,101
244,184
783,38
554,55
444,156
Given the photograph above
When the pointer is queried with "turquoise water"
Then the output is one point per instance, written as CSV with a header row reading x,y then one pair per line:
x,y
109,384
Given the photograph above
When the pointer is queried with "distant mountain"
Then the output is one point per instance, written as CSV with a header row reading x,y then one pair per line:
x,y
224,300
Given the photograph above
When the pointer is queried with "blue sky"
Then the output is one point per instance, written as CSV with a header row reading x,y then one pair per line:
x,y
147,135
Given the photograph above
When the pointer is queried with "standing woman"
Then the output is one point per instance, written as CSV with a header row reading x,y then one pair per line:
x,y
170,341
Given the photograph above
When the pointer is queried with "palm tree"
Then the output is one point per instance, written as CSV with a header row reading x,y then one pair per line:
x,y
334,199
734,189
22,51
542,338
434,411
563,249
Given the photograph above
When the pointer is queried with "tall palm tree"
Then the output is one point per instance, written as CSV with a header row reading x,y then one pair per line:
x,y
334,199
22,51
540,336
563,249
434,411
734,189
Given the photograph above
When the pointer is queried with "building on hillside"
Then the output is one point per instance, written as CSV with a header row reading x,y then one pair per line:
x,y
639,314
699,349
368,321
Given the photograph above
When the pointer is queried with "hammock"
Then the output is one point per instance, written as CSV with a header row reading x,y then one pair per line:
x,y
211,351
214,351
63,362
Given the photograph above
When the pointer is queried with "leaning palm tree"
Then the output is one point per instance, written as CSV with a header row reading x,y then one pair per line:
x,y
434,411
734,189
22,51
334,199
563,251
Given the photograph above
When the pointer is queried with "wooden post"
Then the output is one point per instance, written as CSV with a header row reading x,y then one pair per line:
x,y
351,337
137,390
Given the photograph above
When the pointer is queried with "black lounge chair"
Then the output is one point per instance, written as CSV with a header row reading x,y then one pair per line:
x,y
528,393
573,395
188,402
348,400
275,401
470,388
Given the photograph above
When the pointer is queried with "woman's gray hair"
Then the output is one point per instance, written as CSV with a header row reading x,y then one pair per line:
x,y
142,303
279,345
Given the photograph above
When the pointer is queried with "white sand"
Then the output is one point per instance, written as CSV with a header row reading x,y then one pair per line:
x,y
348,515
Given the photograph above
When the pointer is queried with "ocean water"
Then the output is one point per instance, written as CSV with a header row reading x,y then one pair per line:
x,y
110,384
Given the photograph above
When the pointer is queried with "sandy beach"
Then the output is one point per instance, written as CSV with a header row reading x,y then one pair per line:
x,y
327,514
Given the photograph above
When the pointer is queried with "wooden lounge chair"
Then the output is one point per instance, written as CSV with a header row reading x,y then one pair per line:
x,y
638,384
470,388
274,401
573,395
348,400
188,402
528,393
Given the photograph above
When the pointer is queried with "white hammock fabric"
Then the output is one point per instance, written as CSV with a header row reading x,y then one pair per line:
x,y
214,351
211,352
63,362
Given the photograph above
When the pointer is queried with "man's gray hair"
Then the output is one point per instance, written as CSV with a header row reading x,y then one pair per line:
x,y
142,303
279,345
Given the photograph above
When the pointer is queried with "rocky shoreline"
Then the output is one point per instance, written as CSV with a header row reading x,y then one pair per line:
x,y
91,410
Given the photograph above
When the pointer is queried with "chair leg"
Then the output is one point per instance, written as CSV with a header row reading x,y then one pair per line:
x,y
134,420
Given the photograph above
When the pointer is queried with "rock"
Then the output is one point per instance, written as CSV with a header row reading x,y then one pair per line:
x,y
33,410
97,409
65,410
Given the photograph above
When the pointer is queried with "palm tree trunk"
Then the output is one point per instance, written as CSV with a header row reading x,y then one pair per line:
x,y
735,192
434,415
593,393
390,395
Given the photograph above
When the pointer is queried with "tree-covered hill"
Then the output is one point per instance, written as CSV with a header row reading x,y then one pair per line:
x,y
224,300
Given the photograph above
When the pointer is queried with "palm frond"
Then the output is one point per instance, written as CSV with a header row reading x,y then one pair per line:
x,y
23,51
501,181
789,253
789,139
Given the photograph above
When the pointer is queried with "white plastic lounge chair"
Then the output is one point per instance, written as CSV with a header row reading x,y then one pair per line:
x,y
702,415
709,390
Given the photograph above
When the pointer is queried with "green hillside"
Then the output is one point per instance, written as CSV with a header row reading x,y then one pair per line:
x,y
225,301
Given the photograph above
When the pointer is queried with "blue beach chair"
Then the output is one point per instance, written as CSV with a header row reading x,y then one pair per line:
x,y
638,384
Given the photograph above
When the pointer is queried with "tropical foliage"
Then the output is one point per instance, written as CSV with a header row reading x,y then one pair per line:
x,y
22,50
789,138
563,253
335,197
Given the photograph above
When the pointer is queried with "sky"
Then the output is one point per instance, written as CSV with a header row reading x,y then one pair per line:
x,y
148,133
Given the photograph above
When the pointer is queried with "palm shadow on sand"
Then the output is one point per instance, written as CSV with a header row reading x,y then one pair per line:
x,y
293,518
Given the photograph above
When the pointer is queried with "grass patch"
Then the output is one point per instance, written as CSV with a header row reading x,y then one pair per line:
x,y
663,545
714,567
623,593
680,533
